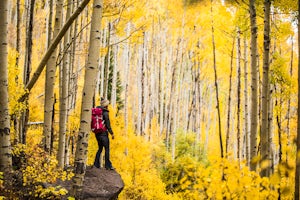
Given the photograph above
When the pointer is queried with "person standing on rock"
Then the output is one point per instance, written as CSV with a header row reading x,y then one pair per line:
x,y
102,137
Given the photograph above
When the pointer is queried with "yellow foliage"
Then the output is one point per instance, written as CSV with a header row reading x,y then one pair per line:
x,y
50,191
132,157
15,88
40,168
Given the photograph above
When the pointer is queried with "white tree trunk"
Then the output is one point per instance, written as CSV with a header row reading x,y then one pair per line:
x,y
254,84
264,135
246,107
91,69
239,134
63,103
5,146
140,91
50,82
126,58
114,79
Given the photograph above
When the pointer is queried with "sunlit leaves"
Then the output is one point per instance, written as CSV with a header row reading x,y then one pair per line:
x,y
15,86
38,167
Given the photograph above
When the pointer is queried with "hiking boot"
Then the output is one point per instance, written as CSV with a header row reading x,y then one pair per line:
x,y
97,166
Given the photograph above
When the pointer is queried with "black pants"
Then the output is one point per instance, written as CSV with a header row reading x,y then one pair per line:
x,y
103,141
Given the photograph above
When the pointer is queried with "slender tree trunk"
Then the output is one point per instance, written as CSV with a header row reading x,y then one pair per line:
x,y
29,27
239,146
209,116
278,105
127,58
52,125
72,85
192,106
216,82
175,95
27,69
143,80
114,78
91,69
297,171
127,69
140,91
107,62
171,98
161,92
271,151
264,136
63,103
145,91
50,82
229,100
49,23
18,46
199,111
5,146
288,130
102,62
18,31
254,86
246,107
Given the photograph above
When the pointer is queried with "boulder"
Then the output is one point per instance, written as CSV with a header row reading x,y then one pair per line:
x,y
100,184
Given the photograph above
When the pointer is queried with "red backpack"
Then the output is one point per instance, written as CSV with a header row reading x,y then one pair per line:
x,y
97,124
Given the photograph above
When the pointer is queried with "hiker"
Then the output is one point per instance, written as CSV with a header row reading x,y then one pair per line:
x,y
102,137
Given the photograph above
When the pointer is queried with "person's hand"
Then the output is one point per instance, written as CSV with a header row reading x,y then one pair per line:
x,y
112,136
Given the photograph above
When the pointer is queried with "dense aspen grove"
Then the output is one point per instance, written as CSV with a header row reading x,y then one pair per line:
x,y
203,96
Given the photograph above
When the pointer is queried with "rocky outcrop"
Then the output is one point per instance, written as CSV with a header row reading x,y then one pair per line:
x,y
100,184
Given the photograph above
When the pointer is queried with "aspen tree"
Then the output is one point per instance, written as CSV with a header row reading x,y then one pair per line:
x,y
288,130
127,60
229,100
169,119
50,82
216,82
140,91
254,84
49,23
161,93
5,146
198,109
27,68
246,106
126,56
145,91
278,104
63,97
239,137
107,61
209,116
18,47
178,75
297,171
91,69
71,78
102,62
264,136
18,31
114,76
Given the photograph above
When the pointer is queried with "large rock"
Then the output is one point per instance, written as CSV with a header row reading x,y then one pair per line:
x,y
100,184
